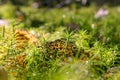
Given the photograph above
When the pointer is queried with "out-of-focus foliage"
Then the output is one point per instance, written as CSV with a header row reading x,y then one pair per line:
x,y
60,3
60,44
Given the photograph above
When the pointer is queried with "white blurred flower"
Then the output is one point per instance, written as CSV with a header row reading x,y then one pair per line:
x,y
84,2
102,13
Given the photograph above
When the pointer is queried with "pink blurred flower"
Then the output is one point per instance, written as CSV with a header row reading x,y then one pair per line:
x,y
35,5
4,23
102,13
